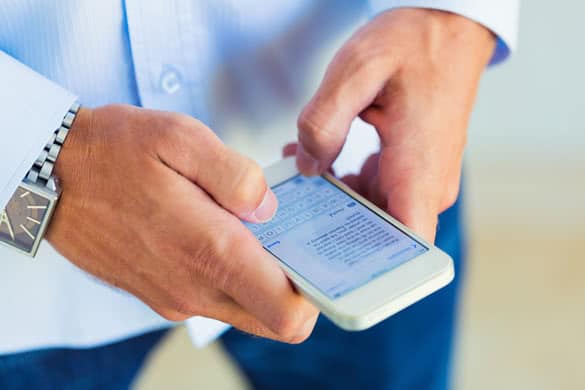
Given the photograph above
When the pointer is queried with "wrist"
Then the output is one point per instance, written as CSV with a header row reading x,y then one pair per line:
x,y
445,32
472,37
74,150
29,211
470,34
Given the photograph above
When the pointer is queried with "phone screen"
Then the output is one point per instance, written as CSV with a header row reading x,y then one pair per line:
x,y
330,238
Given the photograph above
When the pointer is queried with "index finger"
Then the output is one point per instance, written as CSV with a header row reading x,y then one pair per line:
x,y
351,84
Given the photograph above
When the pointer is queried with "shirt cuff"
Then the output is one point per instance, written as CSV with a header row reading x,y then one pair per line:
x,y
31,108
500,16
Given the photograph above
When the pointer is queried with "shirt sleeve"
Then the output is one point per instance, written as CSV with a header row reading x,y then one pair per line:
x,y
31,108
500,16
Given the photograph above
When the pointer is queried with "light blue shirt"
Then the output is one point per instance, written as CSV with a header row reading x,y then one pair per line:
x,y
213,59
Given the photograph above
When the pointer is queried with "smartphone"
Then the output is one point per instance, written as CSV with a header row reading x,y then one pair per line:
x,y
356,263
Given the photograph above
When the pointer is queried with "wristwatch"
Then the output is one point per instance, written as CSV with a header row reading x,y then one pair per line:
x,y
25,219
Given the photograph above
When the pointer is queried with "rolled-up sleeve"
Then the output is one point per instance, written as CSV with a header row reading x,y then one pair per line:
x,y
31,108
500,16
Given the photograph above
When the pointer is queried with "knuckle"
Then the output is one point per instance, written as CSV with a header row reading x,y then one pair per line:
x,y
176,130
354,54
308,125
180,123
220,243
169,137
291,326
300,337
451,196
184,307
204,265
450,199
359,54
210,265
172,315
227,277
314,133
249,186
286,328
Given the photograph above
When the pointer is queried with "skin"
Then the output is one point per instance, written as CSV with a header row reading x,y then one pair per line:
x,y
412,74
152,200
151,204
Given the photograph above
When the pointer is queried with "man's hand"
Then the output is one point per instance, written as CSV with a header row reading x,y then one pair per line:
x,y
150,204
413,75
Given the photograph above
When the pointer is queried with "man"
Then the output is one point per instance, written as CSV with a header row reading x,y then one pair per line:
x,y
151,201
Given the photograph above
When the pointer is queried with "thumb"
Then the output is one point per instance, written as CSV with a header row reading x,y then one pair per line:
x,y
234,181
351,84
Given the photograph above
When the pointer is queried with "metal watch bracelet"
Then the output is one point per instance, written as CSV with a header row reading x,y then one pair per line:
x,y
42,171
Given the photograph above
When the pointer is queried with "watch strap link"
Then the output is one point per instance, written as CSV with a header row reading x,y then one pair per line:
x,y
42,171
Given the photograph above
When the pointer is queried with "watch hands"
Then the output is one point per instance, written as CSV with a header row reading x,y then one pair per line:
x,y
4,219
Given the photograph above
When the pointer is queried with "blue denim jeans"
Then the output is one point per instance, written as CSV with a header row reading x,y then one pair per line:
x,y
111,367
411,350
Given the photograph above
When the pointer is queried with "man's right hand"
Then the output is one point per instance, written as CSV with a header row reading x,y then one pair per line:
x,y
151,204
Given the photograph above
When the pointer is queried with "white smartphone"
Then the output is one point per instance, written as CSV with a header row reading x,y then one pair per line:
x,y
356,263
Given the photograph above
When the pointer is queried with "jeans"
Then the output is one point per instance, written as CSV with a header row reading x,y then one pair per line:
x,y
410,350
111,367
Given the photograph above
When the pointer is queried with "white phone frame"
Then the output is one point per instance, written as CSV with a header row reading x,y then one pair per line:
x,y
383,296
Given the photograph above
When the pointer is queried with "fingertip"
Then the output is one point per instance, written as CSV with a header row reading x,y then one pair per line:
x,y
289,149
422,221
306,163
265,211
352,181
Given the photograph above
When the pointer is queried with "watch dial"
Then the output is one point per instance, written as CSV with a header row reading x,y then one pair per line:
x,y
21,221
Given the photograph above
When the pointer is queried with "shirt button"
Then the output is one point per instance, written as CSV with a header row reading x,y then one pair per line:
x,y
170,81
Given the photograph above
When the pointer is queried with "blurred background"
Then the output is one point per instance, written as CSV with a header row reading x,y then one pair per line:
x,y
522,322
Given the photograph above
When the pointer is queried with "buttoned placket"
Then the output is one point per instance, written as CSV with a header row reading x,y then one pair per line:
x,y
171,63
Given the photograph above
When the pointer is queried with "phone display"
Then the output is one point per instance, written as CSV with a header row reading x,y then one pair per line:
x,y
330,238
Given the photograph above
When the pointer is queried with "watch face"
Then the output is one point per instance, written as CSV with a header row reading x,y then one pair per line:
x,y
21,221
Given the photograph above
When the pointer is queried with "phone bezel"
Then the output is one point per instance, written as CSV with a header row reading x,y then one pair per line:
x,y
384,295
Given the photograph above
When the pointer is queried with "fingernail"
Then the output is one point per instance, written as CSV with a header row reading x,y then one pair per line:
x,y
266,210
306,163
